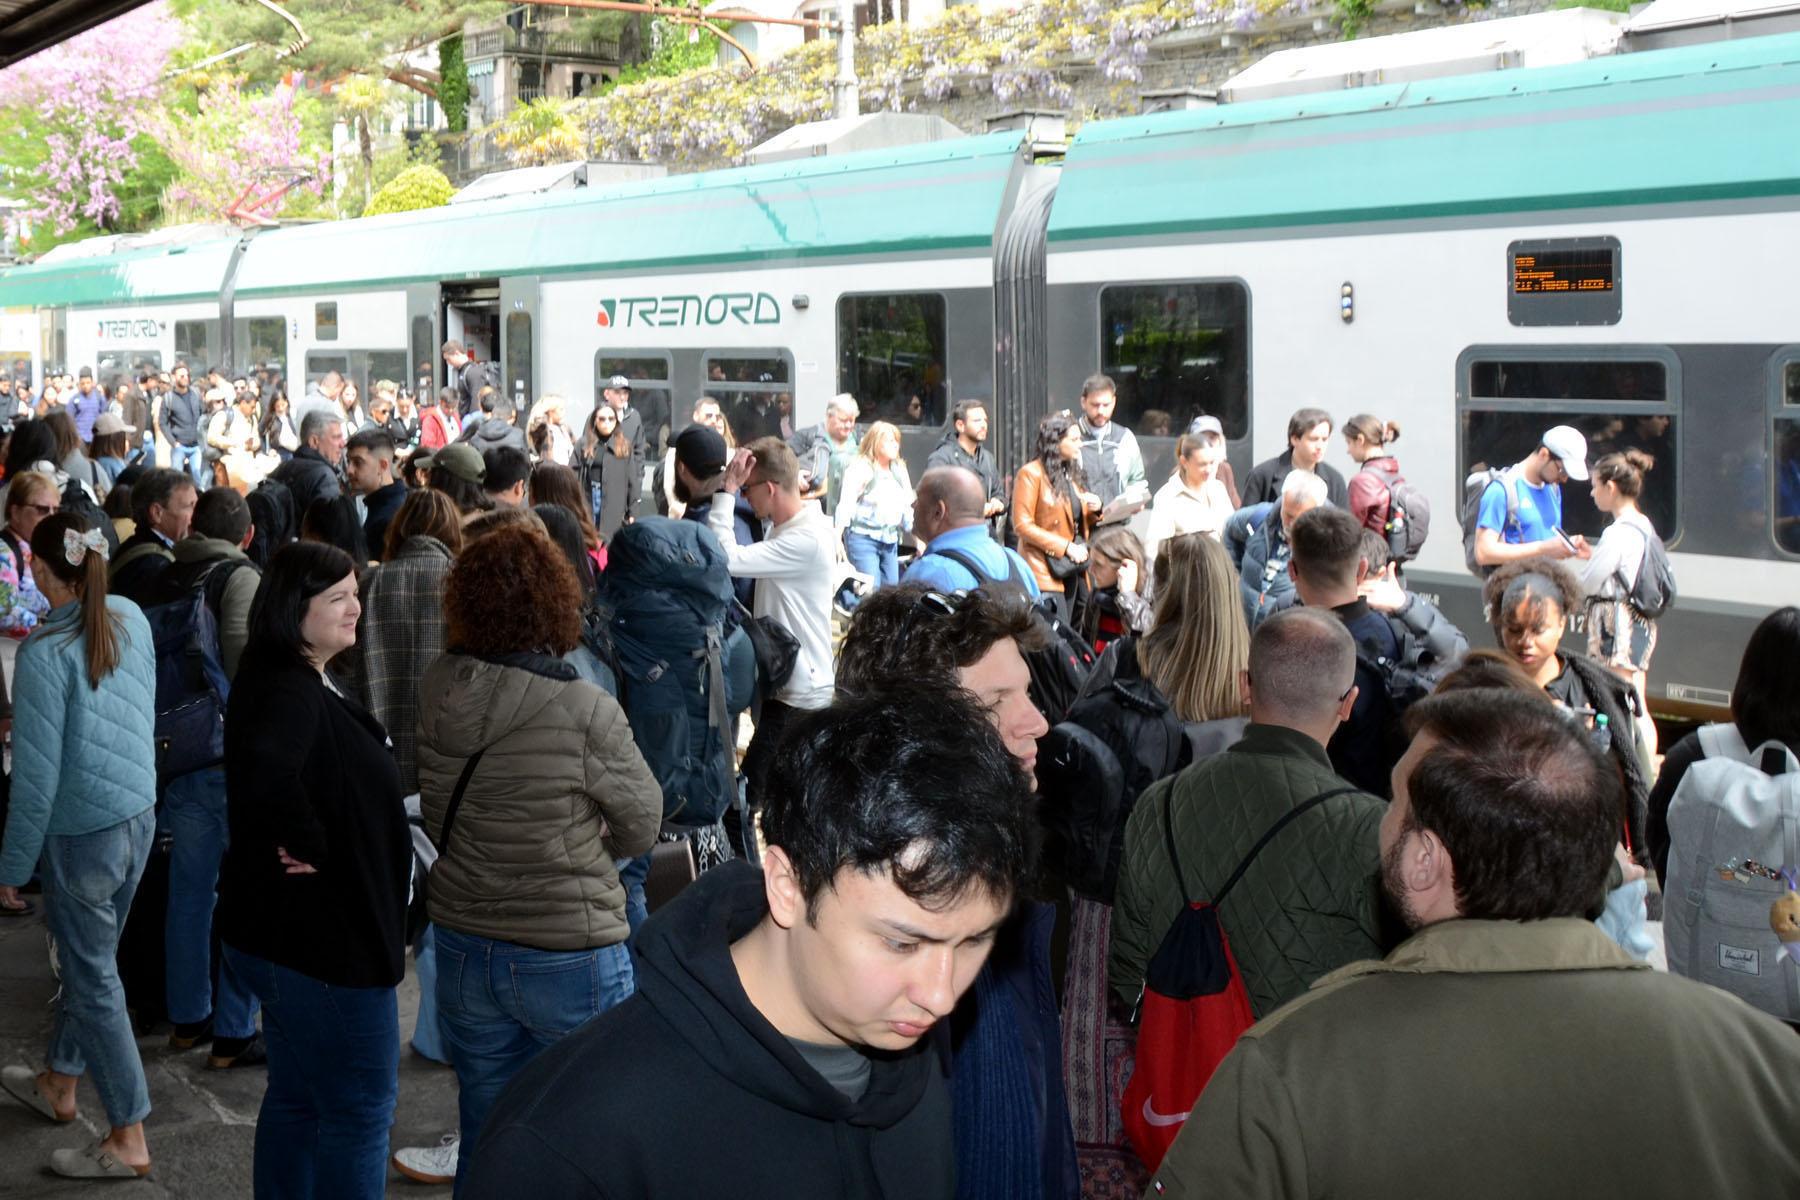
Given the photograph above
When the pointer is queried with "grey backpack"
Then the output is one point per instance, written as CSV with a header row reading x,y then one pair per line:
x,y
1733,824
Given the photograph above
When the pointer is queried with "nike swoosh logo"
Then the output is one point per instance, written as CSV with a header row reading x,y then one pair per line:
x,y
1151,1116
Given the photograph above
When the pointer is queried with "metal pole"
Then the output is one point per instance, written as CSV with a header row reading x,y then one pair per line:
x,y
848,97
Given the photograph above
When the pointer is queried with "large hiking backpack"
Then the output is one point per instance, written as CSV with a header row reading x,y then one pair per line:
x,y
1093,766
272,514
1654,592
1058,670
191,686
1733,824
661,628
1474,488
1407,522
1194,1005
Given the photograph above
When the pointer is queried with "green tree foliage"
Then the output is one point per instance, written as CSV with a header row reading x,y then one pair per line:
x,y
541,132
453,86
675,55
416,187
344,38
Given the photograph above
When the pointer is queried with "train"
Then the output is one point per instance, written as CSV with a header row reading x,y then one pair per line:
x,y
1605,243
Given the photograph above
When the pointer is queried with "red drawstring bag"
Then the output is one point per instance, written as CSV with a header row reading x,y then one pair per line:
x,y
1193,1007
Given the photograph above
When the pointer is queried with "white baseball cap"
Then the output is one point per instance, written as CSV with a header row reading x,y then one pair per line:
x,y
1570,449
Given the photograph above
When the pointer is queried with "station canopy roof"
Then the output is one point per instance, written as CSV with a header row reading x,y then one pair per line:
x,y
27,26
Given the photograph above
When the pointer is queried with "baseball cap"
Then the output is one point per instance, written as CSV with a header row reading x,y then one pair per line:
x,y
701,450
107,423
1570,449
460,459
1201,425
619,382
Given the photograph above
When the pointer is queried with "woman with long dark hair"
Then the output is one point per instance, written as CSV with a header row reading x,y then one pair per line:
x,y
552,483
85,693
312,907
1052,509
604,462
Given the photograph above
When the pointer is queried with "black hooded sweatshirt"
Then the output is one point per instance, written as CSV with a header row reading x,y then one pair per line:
x,y
685,1090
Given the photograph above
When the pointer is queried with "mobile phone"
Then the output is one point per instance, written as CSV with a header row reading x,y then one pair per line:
x,y
1566,539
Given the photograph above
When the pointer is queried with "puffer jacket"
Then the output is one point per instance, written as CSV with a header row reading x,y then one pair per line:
x,y
83,758
560,794
1259,550
1307,905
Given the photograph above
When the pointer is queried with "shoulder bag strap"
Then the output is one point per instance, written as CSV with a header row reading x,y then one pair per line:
x,y
456,799
967,562
1287,818
1169,841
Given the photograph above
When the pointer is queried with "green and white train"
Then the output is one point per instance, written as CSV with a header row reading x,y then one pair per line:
x,y
1608,244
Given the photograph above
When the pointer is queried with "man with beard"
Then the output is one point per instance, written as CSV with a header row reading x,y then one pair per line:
x,y
1508,1048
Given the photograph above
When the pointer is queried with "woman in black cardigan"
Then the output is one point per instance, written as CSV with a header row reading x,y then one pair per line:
x,y
312,906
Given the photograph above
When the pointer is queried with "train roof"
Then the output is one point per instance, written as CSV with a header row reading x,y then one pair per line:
x,y
936,198
1697,123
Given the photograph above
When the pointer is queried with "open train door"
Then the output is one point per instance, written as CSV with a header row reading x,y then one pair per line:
x,y
424,339
518,342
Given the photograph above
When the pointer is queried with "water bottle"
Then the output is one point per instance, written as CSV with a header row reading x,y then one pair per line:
x,y
1602,733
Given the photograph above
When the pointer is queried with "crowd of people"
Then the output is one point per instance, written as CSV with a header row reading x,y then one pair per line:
x,y
391,678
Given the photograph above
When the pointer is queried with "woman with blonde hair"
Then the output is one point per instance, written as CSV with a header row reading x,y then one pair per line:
x,y
875,506
545,431
1195,500
1185,669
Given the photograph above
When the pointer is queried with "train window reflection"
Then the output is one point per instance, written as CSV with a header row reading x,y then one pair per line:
x,y
1177,351
648,373
193,345
755,391
1790,392
1787,481
1569,379
1499,438
891,356
325,321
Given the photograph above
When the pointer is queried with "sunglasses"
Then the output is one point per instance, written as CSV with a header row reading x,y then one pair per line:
x,y
42,510
931,604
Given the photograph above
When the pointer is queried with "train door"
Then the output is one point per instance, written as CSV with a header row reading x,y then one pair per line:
x,y
424,338
470,314
518,341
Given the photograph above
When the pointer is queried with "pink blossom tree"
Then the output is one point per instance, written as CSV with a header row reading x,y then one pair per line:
x,y
69,117
237,139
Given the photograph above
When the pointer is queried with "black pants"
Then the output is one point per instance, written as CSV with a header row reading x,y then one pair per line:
x,y
758,759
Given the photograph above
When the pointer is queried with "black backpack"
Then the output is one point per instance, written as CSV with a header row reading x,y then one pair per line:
x,y
1093,766
1654,592
1474,488
1407,521
182,608
276,523
1410,675
1060,668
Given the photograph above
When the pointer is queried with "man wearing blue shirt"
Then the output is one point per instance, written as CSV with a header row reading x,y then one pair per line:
x,y
949,515
1529,529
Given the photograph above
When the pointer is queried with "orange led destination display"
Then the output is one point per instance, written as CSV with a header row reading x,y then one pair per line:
x,y
1563,271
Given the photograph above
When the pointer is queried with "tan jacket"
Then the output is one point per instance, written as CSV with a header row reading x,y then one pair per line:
x,y
1044,521
560,794
1498,1059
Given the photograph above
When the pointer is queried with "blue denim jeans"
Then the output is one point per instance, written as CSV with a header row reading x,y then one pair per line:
x,y
191,459
89,880
149,446
632,873
334,1075
194,815
501,1003
878,560
428,1031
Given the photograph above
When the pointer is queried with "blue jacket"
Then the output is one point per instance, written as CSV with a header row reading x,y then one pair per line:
x,y
945,575
1259,550
83,758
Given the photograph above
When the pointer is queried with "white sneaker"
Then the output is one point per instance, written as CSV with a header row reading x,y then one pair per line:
x,y
429,1164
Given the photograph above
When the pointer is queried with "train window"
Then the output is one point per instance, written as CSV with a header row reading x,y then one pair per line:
x,y
1508,399
648,372
1787,485
126,366
891,356
1177,351
325,323
423,353
361,367
1790,389
754,387
262,345
194,345
518,357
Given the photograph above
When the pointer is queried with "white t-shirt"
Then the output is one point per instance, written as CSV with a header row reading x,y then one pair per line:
x,y
795,565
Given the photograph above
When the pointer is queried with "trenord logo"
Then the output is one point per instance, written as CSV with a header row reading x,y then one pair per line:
x,y
719,308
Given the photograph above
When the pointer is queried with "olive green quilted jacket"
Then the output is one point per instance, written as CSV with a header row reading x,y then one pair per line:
x,y
1306,906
